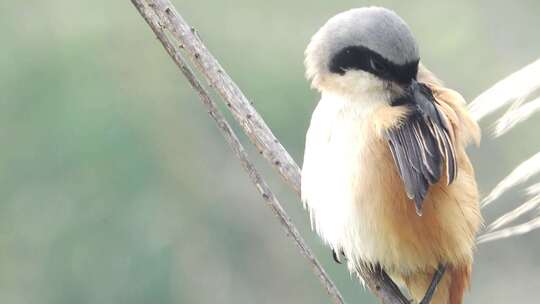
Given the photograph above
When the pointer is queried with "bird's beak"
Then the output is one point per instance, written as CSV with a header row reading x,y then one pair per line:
x,y
407,93
419,96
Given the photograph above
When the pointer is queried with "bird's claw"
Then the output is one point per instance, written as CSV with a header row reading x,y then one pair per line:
x,y
437,276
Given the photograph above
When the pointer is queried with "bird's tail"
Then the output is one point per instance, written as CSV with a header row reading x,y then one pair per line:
x,y
520,91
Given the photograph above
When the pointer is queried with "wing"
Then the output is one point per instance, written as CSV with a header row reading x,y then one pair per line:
x,y
422,145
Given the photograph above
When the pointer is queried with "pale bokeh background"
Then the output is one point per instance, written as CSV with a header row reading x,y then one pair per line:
x,y
116,187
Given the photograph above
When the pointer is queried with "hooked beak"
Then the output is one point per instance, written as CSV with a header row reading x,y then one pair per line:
x,y
420,97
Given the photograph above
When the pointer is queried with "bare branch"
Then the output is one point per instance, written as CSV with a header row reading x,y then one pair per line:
x,y
165,15
240,152
246,115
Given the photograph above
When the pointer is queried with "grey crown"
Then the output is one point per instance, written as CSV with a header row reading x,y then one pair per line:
x,y
376,28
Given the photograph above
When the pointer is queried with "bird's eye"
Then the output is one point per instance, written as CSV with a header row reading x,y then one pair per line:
x,y
377,66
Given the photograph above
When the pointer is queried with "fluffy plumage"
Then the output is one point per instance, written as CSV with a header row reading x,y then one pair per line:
x,y
358,203
353,180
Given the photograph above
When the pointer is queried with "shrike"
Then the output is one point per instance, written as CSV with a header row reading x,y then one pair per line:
x,y
386,176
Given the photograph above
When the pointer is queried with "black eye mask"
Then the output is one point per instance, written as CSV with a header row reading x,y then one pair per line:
x,y
365,59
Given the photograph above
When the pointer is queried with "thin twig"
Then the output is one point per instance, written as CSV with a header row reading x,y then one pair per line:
x,y
255,128
240,152
246,115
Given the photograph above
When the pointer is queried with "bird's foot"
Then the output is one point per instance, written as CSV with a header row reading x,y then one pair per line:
x,y
337,256
437,276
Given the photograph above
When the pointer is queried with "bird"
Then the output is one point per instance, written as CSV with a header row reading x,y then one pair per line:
x,y
386,176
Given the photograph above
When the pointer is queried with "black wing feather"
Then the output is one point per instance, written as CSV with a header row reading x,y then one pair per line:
x,y
421,146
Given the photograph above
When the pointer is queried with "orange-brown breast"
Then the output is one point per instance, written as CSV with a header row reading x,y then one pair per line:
x,y
446,231
358,203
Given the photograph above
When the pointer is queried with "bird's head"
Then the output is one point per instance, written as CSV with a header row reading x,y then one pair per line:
x,y
363,50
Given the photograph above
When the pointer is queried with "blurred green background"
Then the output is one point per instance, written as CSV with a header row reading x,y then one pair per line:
x,y
117,188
